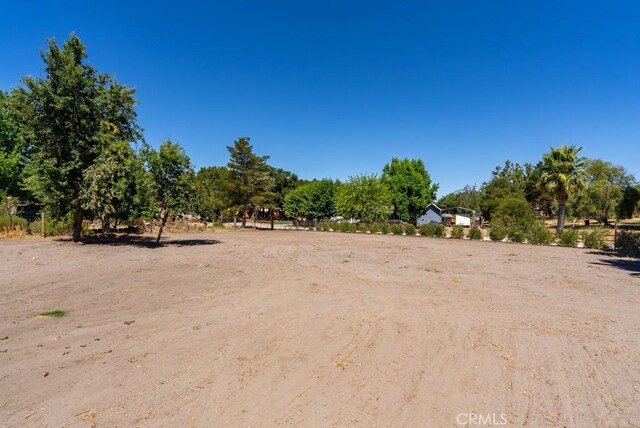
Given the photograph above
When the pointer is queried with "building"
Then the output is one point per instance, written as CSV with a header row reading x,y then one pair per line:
x,y
432,214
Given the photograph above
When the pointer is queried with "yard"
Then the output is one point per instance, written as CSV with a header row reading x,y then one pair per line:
x,y
264,328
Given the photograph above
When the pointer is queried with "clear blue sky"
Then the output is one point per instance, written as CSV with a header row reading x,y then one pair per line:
x,y
336,88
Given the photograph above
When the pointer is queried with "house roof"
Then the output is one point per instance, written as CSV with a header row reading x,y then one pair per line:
x,y
437,208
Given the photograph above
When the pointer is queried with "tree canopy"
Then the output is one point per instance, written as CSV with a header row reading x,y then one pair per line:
x,y
364,197
410,186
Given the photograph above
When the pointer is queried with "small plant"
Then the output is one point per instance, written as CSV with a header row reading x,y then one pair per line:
x,y
396,229
385,228
55,314
516,234
351,227
410,229
374,228
539,235
498,232
363,227
439,231
595,239
475,233
129,322
628,244
218,224
457,231
569,238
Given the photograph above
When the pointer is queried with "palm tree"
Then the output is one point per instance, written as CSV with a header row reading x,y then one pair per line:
x,y
562,175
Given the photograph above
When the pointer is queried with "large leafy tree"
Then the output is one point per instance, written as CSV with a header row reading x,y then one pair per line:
x,y
212,191
171,176
250,177
563,175
312,200
364,197
70,117
410,186
605,189
12,157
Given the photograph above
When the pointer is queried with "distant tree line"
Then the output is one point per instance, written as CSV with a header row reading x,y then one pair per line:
x,y
70,140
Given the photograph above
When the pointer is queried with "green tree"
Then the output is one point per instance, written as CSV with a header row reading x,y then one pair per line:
x,y
12,159
364,197
213,189
250,176
171,176
69,118
562,175
629,202
410,186
514,213
506,181
312,200
605,186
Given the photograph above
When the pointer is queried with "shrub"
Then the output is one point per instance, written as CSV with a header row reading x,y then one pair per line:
x,y
53,227
595,239
516,234
628,244
569,238
396,229
457,231
410,229
438,231
323,226
6,222
362,227
498,232
218,224
475,233
425,229
540,235
385,228
374,228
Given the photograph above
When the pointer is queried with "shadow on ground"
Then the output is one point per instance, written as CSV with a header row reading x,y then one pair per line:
x,y
629,264
142,241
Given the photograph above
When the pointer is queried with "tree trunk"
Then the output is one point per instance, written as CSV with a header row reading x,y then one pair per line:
x,y
164,218
604,219
562,212
78,216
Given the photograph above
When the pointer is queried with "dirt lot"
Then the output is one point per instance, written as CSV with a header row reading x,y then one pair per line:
x,y
317,329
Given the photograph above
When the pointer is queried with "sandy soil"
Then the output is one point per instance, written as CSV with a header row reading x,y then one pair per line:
x,y
317,329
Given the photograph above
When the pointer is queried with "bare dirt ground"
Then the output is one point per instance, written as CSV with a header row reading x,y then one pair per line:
x,y
317,329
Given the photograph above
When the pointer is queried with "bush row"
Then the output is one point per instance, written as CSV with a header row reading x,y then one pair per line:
x,y
432,230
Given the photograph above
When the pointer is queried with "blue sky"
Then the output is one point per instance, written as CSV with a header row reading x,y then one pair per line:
x,y
336,88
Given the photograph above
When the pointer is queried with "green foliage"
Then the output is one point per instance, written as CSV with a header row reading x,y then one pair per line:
x,y
628,244
410,186
396,229
629,201
507,181
312,200
475,233
457,231
513,217
410,229
498,232
539,234
569,238
54,314
70,118
374,228
595,238
351,227
563,175
363,197
433,230
171,176
605,189
516,234
250,178
323,226
212,191
385,228
11,222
